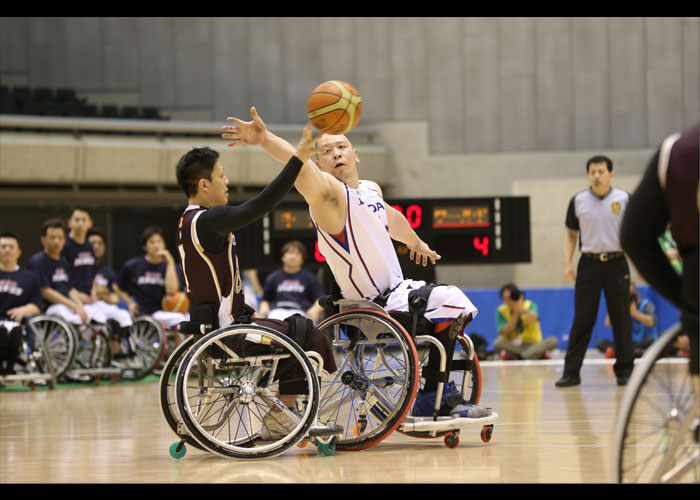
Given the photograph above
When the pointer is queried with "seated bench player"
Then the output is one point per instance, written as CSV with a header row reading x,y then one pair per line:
x,y
20,298
146,279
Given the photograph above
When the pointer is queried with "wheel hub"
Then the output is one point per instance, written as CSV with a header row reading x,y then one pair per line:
x,y
247,392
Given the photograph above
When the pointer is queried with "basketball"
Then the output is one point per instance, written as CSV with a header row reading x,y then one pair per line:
x,y
176,302
335,107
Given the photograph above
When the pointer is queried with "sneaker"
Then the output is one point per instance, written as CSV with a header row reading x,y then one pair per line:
x,y
506,356
277,424
452,404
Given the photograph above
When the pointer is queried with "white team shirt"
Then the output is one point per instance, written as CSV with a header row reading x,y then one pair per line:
x,y
362,256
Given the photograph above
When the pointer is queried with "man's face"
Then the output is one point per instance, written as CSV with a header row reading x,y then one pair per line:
x,y
9,252
79,222
98,245
54,240
599,177
217,188
154,245
293,257
337,156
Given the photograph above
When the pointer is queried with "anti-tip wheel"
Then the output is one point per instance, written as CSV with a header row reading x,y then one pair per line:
x,y
452,440
178,450
326,449
486,433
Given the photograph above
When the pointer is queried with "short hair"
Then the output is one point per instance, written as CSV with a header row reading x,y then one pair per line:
x,y
97,232
150,231
10,234
510,287
295,244
193,166
82,208
599,159
53,223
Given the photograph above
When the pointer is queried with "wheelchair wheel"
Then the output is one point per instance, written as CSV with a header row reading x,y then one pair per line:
x,y
227,392
94,349
144,348
59,339
377,377
656,431
168,399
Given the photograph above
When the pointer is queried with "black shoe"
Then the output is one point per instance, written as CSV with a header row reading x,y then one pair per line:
x,y
567,381
623,380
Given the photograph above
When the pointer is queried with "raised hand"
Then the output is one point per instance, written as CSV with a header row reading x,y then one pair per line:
x,y
251,133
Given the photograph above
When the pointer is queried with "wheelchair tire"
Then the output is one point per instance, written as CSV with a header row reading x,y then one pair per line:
x,y
377,377
227,384
658,399
59,339
166,389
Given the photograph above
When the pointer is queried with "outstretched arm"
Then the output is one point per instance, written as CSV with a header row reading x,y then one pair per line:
x,y
320,190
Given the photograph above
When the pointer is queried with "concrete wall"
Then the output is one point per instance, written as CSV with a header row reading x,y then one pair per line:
x,y
482,84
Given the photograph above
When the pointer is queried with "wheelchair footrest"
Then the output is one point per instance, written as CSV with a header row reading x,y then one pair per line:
x,y
427,424
25,377
93,371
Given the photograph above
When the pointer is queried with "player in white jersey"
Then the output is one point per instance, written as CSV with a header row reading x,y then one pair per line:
x,y
355,228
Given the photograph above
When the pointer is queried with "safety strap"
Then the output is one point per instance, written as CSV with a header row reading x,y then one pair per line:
x,y
300,330
417,304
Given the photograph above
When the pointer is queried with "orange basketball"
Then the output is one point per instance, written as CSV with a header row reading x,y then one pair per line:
x,y
335,107
176,302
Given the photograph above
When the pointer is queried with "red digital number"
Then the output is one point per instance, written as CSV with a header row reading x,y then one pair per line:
x,y
414,215
482,245
317,253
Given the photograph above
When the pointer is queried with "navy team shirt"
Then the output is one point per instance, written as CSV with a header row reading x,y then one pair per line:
x,y
145,282
18,288
81,261
292,291
52,273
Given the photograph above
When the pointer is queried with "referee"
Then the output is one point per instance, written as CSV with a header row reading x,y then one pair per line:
x,y
594,218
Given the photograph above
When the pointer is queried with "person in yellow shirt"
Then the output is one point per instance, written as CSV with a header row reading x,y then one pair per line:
x,y
518,325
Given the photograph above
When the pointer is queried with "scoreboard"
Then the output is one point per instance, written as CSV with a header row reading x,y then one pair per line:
x,y
492,230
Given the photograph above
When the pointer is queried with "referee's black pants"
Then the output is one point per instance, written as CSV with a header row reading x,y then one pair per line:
x,y
613,278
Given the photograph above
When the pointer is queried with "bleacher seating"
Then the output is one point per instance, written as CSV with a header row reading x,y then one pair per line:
x,y
43,101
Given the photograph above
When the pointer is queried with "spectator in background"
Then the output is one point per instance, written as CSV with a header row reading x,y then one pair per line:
x,y
79,254
518,325
292,289
644,325
145,280
20,297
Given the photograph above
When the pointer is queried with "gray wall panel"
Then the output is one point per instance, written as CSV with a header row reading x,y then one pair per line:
x,y
628,94
482,84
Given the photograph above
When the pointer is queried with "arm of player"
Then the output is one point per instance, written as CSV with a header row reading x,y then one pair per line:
x,y
400,230
569,245
320,190
21,312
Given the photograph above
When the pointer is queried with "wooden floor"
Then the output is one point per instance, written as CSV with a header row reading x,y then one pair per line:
x,y
114,433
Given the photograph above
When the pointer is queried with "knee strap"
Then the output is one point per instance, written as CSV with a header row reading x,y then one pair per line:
x,y
300,330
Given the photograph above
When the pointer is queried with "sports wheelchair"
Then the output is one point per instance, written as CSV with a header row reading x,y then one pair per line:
x,y
381,368
221,390
46,349
107,350
655,437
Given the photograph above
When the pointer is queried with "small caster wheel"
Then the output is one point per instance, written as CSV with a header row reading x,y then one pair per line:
x,y
452,440
178,450
360,427
326,449
486,433
302,443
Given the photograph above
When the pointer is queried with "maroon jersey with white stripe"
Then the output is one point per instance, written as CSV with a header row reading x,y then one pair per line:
x,y
211,278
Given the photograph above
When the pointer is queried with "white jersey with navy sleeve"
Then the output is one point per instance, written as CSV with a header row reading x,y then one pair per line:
x,y
362,256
